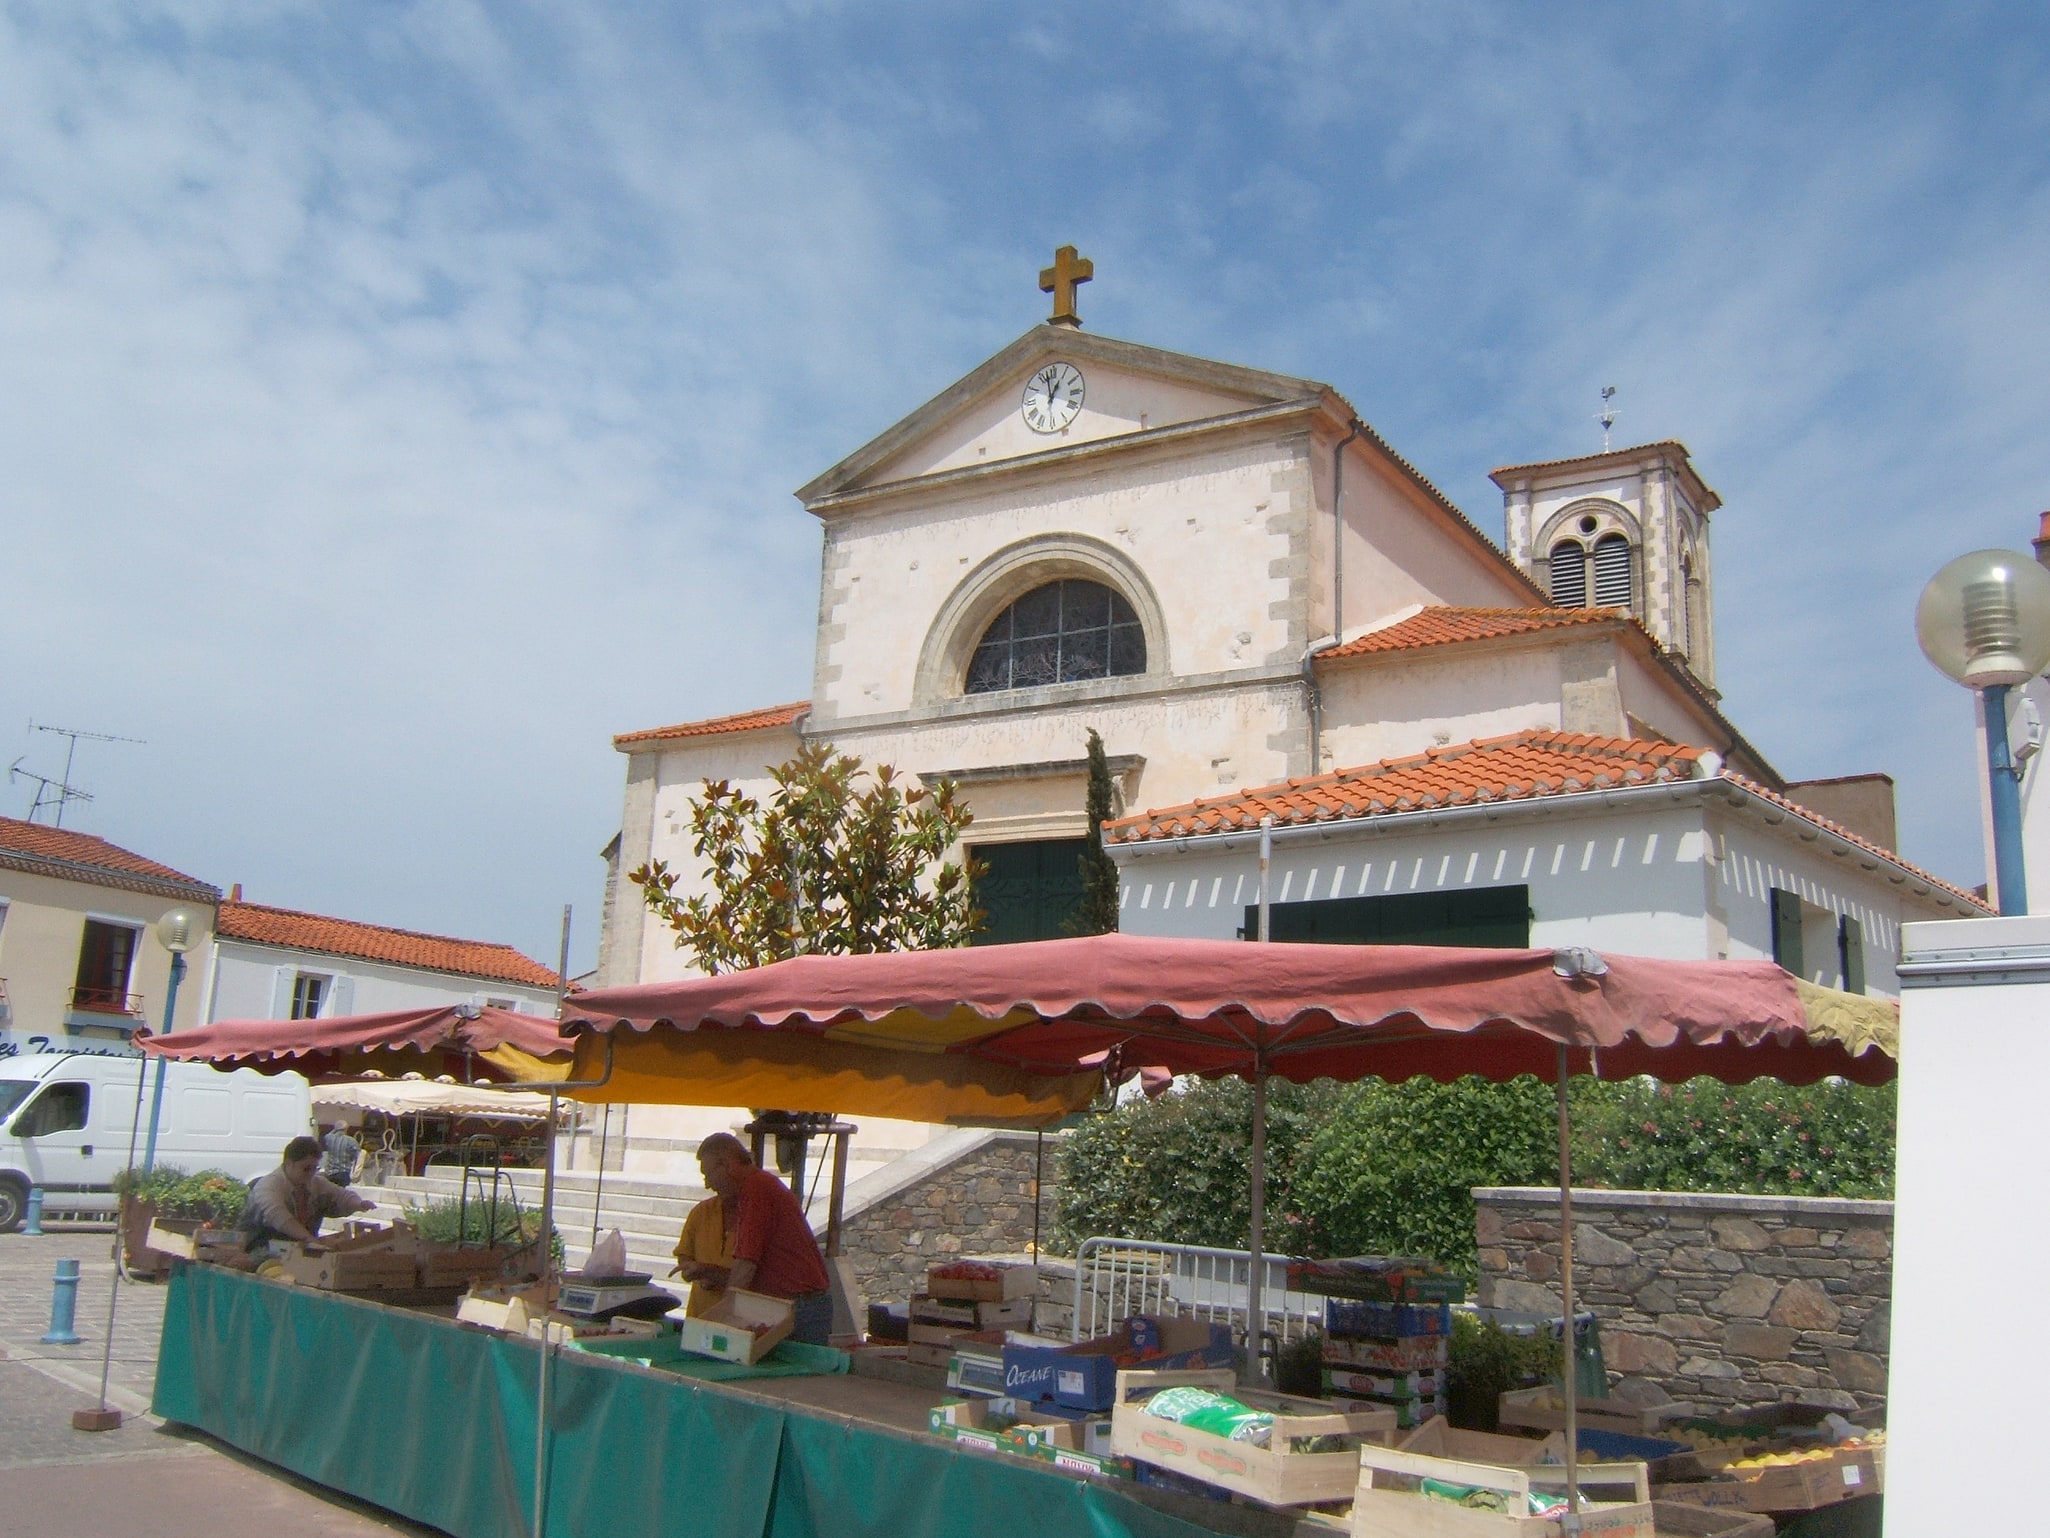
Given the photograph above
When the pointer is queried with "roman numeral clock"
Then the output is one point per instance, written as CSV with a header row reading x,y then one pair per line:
x,y
1053,397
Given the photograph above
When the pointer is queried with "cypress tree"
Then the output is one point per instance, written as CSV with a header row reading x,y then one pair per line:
x,y
1098,912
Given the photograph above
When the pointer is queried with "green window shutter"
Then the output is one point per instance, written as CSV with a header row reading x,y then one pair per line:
x,y
1786,930
1850,949
1496,917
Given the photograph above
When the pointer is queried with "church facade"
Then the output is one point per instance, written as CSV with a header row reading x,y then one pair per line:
x,y
1235,581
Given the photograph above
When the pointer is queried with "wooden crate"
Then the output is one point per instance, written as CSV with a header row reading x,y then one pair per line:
x,y
1683,1520
744,1327
1379,1510
1789,1487
1272,1474
1522,1407
1015,1282
1544,1461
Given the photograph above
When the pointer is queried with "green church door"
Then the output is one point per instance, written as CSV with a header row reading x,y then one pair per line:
x,y
1030,890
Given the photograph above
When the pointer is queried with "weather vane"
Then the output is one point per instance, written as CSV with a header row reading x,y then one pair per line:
x,y
1607,415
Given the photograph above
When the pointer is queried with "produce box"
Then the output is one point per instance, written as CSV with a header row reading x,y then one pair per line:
x,y
925,1355
1277,1474
1822,1478
1385,1321
965,1313
1414,1353
1378,1278
919,1334
1391,1501
1083,1376
365,1263
454,1266
743,1327
988,1426
1544,1409
978,1281
1408,1412
1085,1435
1682,1519
1354,1383
1544,1461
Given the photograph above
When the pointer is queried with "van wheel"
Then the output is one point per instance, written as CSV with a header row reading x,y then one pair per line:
x,y
13,1204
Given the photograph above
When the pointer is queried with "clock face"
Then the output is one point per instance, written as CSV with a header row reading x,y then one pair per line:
x,y
1053,397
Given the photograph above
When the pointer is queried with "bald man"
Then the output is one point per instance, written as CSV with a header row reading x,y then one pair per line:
x,y
773,1248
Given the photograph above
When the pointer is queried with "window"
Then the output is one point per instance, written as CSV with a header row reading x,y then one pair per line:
x,y
1850,953
59,1108
1569,574
1489,916
105,955
308,989
1064,632
1612,572
1786,930
505,1004
1028,891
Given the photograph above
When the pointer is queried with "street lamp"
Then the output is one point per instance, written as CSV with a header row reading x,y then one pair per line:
x,y
1985,620
176,931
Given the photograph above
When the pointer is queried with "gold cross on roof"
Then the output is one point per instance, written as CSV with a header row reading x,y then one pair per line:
x,y
1067,273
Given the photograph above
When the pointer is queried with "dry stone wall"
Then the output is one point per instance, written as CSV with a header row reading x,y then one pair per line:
x,y
969,1194
1716,1299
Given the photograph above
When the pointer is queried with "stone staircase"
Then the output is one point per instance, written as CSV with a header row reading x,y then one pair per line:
x,y
648,1213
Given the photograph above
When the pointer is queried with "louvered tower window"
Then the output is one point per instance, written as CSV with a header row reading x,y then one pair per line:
x,y
1569,574
1612,572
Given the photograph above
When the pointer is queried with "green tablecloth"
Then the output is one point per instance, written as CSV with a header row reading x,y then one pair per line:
x,y
437,1422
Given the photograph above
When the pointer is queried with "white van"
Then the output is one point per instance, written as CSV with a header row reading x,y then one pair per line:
x,y
66,1119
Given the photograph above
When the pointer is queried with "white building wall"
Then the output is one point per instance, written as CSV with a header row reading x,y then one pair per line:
x,y
254,982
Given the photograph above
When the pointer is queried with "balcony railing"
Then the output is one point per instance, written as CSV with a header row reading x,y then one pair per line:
x,y
106,1001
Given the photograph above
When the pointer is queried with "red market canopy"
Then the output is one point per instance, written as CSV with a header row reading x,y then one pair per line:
x,y
460,1041
1023,1032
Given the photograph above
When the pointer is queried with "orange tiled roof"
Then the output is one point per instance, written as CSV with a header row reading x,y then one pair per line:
x,y
1512,768
375,942
1441,626
745,721
1521,766
83,857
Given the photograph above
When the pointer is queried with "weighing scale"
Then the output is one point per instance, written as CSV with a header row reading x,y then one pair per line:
x,y
612,1297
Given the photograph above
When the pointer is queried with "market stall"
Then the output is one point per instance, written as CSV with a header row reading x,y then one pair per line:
x,y
410,1123
1026,1034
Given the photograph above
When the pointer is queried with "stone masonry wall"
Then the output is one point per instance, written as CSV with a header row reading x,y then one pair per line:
x,y
1715,1299
975,1201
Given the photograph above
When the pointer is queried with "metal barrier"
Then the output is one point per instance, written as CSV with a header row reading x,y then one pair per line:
x,y
1118,1277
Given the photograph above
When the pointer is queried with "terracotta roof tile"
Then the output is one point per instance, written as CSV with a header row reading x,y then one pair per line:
x,y
375,942
95,858
1521,766
745,721
1443,626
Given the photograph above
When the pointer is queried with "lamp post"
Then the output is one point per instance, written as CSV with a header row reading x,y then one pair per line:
x,y
176,931
1984,619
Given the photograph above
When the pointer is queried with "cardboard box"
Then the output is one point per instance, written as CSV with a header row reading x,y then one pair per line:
x,y
744,1327
921,1334
1354,1383
1387,1503
964,1313
361,1269
1414,1353
1789,1487
1386,1321
1276,1474
1083,1376
931,1356
1012,1282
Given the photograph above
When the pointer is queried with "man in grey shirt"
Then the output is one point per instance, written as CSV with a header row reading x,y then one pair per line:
x,y
338,1155
293,1199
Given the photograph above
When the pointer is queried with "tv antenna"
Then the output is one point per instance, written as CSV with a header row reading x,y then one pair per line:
x,y
1607,415
56,794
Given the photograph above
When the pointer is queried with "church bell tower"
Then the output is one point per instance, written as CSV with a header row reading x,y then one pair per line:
x,y
1623,529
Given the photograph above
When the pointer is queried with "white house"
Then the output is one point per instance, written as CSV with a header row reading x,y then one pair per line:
x,y
279,964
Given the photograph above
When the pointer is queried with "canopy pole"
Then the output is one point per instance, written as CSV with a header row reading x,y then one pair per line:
x,y
1568,1340
1255,1314
1038,1181
598,1192
547,1238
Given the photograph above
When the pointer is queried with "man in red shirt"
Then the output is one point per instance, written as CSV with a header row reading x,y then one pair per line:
x,y
773,1248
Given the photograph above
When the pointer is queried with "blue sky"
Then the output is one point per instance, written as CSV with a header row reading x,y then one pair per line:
x,y
402,398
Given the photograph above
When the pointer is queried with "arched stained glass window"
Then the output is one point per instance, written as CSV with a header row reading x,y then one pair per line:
x,y
1612,572
1569,574
1061,633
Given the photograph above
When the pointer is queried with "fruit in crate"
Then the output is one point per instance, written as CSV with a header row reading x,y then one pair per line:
x,y
966,1271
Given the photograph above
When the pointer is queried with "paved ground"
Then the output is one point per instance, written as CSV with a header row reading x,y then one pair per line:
x,y
144,1477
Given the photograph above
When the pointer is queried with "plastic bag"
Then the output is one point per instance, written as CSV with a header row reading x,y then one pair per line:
x,y
608,1255
1219,1414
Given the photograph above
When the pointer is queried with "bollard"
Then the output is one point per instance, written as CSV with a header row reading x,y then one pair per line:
x,y
32,1227
64,1306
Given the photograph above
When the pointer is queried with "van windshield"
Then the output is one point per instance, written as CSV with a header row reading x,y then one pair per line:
x,y
12,1093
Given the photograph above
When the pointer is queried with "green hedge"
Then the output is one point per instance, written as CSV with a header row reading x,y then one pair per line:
x,y
1378,1168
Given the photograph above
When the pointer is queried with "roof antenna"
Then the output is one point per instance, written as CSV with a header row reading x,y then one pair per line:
x,y
56,793
1607,416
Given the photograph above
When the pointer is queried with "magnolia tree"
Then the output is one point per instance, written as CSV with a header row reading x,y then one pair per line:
x,y
836,860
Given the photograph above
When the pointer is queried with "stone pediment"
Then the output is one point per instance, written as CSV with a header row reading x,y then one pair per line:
x,y
1129,390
